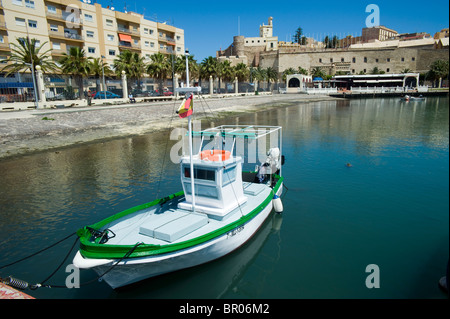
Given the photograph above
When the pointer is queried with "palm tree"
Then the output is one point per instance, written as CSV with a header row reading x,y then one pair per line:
x,y
97,68
224,71
228,72
159,68
208,68
242,72
76,63
25,54
302,71
317,73
272,75
288,72
133,65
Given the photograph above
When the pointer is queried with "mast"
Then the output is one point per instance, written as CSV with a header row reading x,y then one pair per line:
x,y
190,138
188,91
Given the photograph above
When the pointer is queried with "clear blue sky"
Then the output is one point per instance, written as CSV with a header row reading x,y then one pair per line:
x,y
211,25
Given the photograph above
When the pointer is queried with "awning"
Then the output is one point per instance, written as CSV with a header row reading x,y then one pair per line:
x,y
378,81
125,37
9,85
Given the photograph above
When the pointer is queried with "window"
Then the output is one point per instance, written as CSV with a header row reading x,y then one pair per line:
x,y
413,59
90,34
29,4
88,17
37,44
376,60
109,22
53,28
91,50
365,60
151,31
331,60
112,52
145,30
342,59
56,46
3,59
178,38
229,175
320,60
2,40
20,22
199,173
354,60
110,37
388,59
161,46
32,23
146,43
152,44
17,2
403,59
387,70
135,28
202,190
51,9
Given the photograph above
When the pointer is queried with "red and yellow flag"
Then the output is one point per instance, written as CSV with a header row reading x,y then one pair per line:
x,y
186,107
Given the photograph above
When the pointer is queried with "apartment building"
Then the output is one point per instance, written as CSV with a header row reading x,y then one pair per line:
x,y
101,32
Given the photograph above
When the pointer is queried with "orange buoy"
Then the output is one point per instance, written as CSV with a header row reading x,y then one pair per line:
x,y
215,155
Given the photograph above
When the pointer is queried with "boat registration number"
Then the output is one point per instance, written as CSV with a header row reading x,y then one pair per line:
x,y
235,231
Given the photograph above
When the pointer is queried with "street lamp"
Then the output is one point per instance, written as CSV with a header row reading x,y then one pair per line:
x,y
103,74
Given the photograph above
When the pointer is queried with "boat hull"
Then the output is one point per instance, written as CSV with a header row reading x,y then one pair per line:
x,y
132,270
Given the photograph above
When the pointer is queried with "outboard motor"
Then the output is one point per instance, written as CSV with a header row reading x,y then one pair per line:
x,y
271,165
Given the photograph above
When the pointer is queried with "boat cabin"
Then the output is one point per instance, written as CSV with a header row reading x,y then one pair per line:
x,y
217,183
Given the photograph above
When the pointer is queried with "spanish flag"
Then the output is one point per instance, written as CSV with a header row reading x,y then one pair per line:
x,y
186,107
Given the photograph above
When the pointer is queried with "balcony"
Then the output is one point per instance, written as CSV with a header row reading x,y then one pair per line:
x,y
166,50
4,47
62,17
59,52
124,45
66,36
128,31
166,39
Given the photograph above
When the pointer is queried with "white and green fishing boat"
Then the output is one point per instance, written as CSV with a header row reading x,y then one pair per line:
x,y
187,228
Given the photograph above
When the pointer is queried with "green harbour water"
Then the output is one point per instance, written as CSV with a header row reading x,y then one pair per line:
x,y
388,208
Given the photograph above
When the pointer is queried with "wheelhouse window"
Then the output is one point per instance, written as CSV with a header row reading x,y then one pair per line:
x,y
199,173
229,175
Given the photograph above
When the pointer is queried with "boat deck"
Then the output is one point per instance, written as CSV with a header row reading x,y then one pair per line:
x,y
166,223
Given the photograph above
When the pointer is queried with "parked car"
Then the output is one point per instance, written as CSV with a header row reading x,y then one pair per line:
x,y
109,95
167,93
